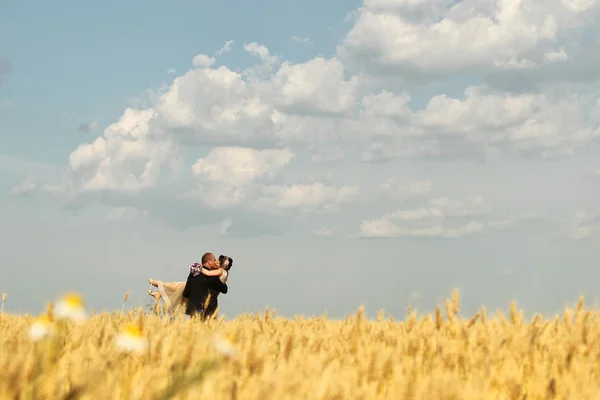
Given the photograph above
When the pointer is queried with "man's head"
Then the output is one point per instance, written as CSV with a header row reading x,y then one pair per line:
x,y
209,260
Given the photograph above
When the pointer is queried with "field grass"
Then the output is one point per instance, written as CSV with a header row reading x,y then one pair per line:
x,y
438,356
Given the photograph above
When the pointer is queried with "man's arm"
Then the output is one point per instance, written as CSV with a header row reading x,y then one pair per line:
x,y
215,283
188,288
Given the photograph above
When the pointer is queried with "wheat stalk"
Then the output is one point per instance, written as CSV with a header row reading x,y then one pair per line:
x,y
259,356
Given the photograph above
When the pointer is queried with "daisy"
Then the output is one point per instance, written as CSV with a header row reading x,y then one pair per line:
x,y
225,345
130,339
71,307
41,328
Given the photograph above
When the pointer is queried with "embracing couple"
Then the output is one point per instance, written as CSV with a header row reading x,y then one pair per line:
x,y
200,292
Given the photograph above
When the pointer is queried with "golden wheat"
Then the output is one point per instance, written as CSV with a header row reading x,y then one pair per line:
x,y
139,355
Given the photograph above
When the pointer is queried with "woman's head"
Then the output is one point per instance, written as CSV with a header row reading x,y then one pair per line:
x,y
225,262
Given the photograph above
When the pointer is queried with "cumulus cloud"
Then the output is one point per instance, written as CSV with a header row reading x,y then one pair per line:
x,y
314,104
300,87
26,188
413,189
227,47
484,124
305,197
326,154
583,225
302,40
414,39
238,165
229,175
246,141
235,176
202,60
124,160
441,217
210,106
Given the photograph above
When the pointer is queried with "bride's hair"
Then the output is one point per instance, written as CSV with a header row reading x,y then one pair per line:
x,y
225,262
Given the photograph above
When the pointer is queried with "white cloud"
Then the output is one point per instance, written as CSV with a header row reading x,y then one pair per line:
x,y
483,125
303,40
441,217
210,106
263,128
583,225
268,61
324,154
236,176
227,47
239,166
423,38
126,159
203,61
385,228
229,175
314,197
301,87
147,98
28,187
579,6
314,104
556,56
413,189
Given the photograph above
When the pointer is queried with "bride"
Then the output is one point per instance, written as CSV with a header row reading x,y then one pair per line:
x,y
171,293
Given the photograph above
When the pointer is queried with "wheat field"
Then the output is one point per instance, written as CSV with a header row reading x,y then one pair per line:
x,y
142,355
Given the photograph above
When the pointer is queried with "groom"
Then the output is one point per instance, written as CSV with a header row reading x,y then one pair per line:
x,y
201,290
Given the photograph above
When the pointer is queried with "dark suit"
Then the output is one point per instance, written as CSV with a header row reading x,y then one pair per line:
x,y
197,290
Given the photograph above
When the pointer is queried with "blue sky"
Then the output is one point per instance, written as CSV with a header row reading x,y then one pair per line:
x,y
342,153
75,62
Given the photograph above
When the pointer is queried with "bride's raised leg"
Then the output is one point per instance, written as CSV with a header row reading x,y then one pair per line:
x,y
156,295
171,287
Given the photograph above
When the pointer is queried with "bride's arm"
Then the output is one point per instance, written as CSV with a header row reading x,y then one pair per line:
x,y
213,272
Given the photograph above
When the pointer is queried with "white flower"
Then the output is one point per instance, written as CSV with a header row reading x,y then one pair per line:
x,y
71,307
130,339
225,345
41,328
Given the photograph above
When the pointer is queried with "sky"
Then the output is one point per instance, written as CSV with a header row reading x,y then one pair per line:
x,y
343,153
